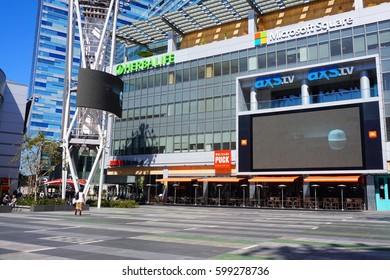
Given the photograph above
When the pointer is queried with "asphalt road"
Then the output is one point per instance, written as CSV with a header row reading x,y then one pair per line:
x,y
195,233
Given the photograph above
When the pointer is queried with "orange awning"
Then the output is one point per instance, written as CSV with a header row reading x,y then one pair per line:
x,y
221,179
176,179
333,179
273,179
68,182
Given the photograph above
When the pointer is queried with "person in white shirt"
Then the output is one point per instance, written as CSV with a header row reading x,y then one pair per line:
x,y
80,201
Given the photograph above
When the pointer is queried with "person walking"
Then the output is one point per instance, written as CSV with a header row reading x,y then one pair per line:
x,y
80,200
12,203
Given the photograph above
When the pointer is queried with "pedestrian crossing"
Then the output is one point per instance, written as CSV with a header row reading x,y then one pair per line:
x,y
158,232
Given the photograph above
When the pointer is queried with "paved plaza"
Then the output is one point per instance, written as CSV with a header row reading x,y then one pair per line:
x,y
155,232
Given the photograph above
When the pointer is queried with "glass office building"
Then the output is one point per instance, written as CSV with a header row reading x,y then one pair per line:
x,y
195,118
47,72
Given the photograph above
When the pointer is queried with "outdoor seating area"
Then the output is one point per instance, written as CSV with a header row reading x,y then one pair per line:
x,y
280,192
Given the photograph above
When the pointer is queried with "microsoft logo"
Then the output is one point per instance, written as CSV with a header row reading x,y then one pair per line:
x,y
260,38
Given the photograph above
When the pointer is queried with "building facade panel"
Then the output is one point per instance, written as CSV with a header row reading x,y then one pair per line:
x,y
191,105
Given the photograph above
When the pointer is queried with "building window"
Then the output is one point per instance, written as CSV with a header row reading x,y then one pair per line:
x,y
347,46
208,141
202,106
243,64
226,67
209,105
271,59
262,61
194,73
324,50
281,58
144,82
186,75
384,38
217,69
372,41
178,76
234,66
312,52
302,54
291,56
201,72
209,71
335,48
359,44
171,78
252,63
164,79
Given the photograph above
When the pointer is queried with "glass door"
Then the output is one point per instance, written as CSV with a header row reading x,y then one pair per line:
x,y
382,192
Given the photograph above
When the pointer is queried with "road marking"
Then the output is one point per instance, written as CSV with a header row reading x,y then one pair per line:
x,y
89,242
40,249
249,247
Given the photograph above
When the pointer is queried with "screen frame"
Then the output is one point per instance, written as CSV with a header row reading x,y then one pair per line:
x,y
372,153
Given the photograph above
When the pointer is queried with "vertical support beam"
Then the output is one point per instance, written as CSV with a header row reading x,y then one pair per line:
x,y
305,93
370,195
254,105
171,41
206,192
358,4
66,97
252,18
364,84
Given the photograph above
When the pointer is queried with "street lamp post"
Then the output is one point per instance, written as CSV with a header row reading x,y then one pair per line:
x,y
315,186
259,186
243,194
196,189
282,187
174,199
148,186
219,186
342,196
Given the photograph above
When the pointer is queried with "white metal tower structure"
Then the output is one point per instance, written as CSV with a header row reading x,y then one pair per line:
x,y
94,21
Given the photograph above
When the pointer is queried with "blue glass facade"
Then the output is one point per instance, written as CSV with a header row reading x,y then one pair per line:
x,y
48,66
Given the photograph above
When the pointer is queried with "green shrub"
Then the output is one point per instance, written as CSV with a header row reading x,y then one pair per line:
x,y
29,201
114,203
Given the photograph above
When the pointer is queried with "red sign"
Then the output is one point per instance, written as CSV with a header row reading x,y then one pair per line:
x,y
117,162
5,181
222,159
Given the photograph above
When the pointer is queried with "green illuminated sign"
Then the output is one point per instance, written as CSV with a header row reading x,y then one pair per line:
x,y
145,64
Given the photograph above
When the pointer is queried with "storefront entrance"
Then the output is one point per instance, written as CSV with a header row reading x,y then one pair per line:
x,y
382,192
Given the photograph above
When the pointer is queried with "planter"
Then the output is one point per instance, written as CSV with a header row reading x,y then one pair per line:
x,y
41,208
5,208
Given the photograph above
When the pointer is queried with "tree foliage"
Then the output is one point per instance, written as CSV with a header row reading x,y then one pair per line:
x,y
38,158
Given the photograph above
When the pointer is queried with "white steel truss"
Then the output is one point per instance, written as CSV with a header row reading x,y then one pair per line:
x,y
94,22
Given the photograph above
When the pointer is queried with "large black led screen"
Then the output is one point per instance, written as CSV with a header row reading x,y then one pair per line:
x,y
305,140
99,90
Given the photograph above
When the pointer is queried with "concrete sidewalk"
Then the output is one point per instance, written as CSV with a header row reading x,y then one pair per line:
x,y
189,233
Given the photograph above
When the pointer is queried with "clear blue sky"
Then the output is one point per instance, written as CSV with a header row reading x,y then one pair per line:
x,y
17,25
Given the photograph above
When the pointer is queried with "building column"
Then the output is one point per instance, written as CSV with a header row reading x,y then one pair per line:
x,y
252,17
305,93
358,4
252,189
364,84
206,192
254,105
370,193
171,41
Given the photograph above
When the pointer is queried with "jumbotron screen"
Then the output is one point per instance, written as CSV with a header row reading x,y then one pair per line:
x,y
308,139
331,138
99,90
